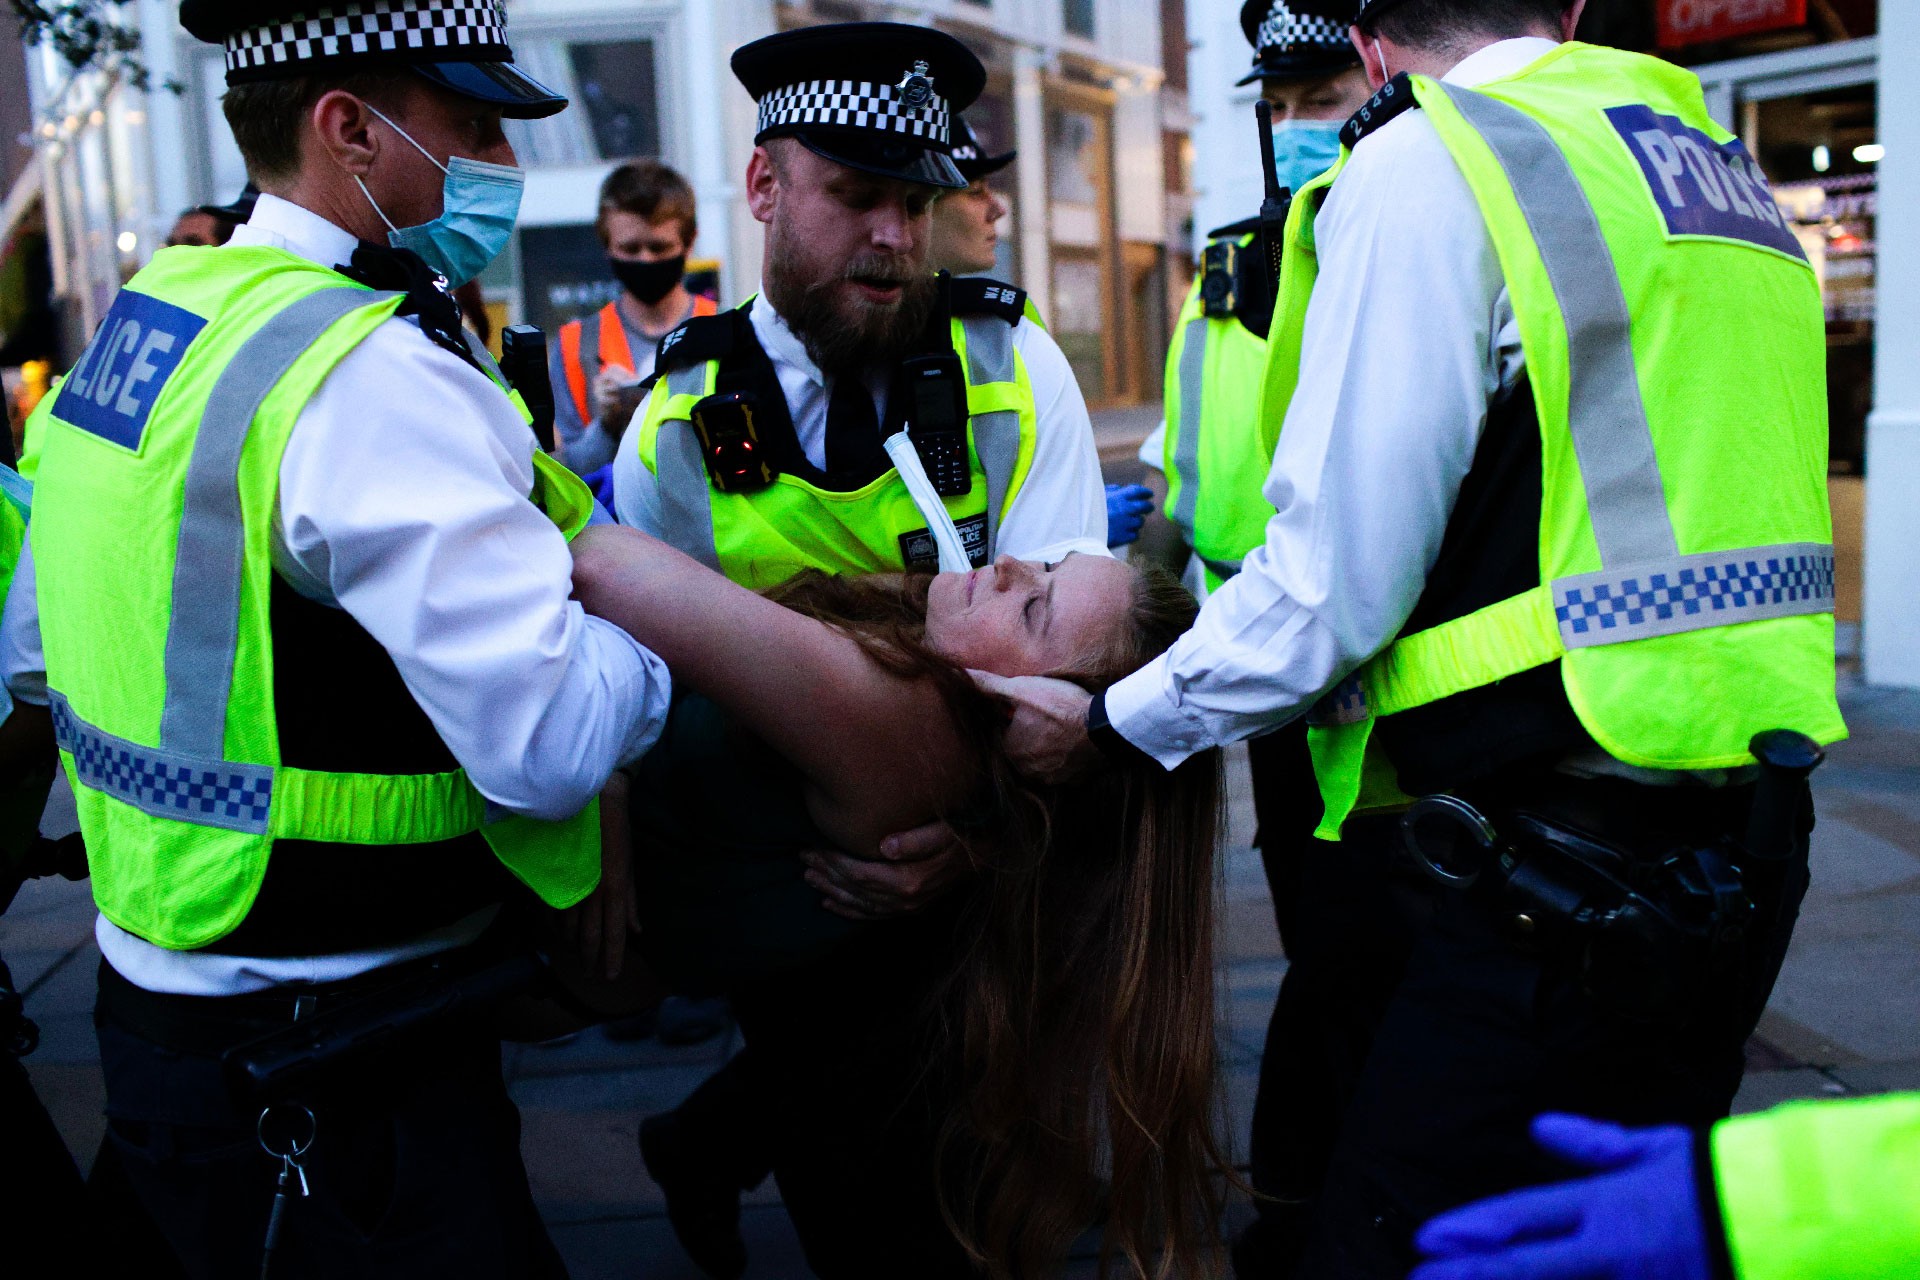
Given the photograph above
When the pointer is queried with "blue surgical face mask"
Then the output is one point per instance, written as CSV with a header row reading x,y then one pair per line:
x,y
481,204
1304,149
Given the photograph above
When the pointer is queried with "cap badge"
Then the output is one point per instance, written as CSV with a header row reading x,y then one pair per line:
x,y
916,87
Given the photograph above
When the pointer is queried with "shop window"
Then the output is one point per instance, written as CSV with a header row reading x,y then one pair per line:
x,y
1077,15
615,90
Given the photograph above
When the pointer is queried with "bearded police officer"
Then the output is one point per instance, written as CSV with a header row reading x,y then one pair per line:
x,y
760,452
310,654
1811,1189
1566,542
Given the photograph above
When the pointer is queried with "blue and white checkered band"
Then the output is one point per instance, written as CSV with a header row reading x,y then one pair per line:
x,y
207,793
1285,31
855,104
1691,592
450,29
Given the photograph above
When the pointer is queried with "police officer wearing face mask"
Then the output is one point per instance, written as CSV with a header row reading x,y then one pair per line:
x,y
1551,561
304,628
646,224
1216,451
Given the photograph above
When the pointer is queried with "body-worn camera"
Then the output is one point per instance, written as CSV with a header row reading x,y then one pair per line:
x,y
1220,279
934,391
730,443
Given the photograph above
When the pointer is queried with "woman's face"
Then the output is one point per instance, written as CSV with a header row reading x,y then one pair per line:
x,y
1024,618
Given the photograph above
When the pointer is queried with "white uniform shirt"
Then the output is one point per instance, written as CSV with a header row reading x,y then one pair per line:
x,y
403,500
1061,508
1410,336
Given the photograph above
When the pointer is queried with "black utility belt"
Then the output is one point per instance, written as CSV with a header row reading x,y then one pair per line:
x,y
929,395
1648,922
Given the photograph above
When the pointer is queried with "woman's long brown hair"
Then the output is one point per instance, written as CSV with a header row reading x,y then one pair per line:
x,y
1081,1004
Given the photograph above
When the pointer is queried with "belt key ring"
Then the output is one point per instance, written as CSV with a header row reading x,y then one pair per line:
x,y
286,1131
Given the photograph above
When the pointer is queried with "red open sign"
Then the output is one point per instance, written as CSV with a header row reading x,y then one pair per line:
x,y
1685,22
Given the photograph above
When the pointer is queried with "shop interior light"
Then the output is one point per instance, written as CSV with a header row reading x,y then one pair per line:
x,y
128,242
1822,158
1870,153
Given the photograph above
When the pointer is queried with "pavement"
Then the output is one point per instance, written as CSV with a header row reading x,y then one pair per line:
x,y
1845,1018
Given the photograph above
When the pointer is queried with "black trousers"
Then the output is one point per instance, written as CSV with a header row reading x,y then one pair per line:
x,y
1483,1032
843,1089
415,1167
1347,913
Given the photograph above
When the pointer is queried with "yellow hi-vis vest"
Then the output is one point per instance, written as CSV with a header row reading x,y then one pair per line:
x,y
763,538
158,474
1675,347
1217,457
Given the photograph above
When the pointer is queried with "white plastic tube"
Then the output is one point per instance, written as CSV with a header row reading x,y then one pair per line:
x,y
906,460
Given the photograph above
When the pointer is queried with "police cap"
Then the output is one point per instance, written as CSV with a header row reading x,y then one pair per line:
x,y
879,97
1298,39
459,45
970,158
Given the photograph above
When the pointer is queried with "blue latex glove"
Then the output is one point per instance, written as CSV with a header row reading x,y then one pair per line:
x,y
601,482
1128,506
1637,1219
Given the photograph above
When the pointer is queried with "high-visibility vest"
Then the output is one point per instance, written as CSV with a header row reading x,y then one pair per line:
x,y
1216,458
1822,1190
23,795
590,344
763,538
1676,352
157,481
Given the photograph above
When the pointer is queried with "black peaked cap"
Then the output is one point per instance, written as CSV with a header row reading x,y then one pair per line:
x,y
970,158
879,97
1298,39
459,45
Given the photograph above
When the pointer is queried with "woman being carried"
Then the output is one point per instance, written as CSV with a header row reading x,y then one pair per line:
x,y
1080,1009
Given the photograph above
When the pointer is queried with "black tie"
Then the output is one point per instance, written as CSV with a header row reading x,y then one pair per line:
x,y
855,456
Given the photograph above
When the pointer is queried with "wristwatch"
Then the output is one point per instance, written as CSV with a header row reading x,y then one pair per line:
x,y
1108,739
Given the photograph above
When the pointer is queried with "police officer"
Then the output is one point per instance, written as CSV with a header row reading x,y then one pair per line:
x,y
305,632
852,336
1564,541
1343,948
1804,1190
966,223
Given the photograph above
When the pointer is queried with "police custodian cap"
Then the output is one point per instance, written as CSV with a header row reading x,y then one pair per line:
x,y
1298,39
879,97
459,45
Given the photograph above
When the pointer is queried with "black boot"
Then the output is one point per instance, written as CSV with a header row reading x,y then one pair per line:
x,y
703,1204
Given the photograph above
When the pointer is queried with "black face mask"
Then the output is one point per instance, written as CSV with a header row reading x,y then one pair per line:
x,y
649,281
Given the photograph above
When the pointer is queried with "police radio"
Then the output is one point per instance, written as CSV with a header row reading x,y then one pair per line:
x,y
730,443
523,363
1220,279
933,392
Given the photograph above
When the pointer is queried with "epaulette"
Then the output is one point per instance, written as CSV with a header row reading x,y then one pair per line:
x,y
980,296
1395,96
696,341
1234,230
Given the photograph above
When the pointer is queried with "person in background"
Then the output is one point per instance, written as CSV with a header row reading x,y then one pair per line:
x,y
209,225
966,240
646,224
1804,1191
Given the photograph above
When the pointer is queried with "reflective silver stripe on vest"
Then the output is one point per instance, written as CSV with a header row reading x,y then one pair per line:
x,y
1186,441
202,634
165,784
1688,593
1608,419
680,476
996,435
